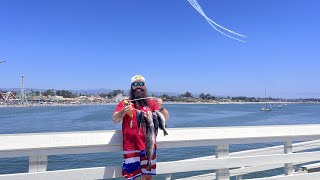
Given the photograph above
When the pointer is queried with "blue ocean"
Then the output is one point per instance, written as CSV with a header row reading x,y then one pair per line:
x,y
98,117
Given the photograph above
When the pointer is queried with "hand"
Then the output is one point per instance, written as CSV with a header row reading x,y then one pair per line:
x,y
148,115
128,108
159,102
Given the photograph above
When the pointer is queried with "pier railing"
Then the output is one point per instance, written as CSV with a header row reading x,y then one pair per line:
x,y
38,146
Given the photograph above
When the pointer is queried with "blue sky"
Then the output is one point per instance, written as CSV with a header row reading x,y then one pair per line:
x,y
102,43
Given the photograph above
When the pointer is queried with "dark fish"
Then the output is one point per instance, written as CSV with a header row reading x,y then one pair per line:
x,y
162,122
150,139
155,122
140,115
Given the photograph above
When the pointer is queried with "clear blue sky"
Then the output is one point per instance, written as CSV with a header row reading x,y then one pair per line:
x,y
100,44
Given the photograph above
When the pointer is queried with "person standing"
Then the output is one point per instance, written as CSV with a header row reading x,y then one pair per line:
x,y
135,160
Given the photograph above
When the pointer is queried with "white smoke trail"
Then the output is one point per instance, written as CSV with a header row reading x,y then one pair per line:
x,y
208,19
213,24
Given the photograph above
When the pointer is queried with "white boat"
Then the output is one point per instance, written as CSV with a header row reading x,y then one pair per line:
x,y
280,105
268,106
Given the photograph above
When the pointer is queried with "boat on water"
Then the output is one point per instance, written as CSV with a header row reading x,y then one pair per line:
x,y
266,109
280,105
267,106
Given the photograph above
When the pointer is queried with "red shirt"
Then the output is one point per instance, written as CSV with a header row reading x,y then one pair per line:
x,y
132,140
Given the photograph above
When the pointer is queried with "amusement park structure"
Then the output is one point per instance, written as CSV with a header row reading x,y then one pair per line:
x,y
10,96
22,89
7,97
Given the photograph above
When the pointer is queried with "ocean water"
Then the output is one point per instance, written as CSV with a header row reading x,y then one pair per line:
x,y
89,118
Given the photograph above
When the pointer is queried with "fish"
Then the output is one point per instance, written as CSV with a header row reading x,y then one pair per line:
x,y
155,122
162,122
150,139
150,122
140,115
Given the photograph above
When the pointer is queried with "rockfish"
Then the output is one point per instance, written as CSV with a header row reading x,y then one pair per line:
x,y
162,122
155,122
150,139
140,115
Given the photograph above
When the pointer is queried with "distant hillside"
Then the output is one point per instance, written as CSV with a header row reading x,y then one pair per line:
x,y
91,91
27,90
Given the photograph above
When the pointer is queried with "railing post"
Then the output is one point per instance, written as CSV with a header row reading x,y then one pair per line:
x,y
38,163
288,167
222,151
239,177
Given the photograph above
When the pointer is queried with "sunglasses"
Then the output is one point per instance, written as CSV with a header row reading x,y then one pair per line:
x,y
138,84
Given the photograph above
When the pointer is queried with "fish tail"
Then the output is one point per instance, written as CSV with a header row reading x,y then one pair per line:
x,y
165,133
149,165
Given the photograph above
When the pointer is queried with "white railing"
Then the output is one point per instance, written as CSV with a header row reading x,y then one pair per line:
x,y
38,146
297,147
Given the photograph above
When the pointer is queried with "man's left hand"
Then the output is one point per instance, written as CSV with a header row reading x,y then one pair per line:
x,y
159,102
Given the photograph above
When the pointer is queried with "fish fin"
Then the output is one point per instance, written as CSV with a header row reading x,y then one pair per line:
x,y
155,131
165,133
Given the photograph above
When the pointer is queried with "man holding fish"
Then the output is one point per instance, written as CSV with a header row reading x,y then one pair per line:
x,y
149,113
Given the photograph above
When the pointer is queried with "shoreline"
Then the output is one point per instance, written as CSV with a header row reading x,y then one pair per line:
x,y
114,104
51,105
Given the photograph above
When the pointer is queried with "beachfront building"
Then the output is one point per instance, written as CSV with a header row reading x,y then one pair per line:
x,y
56,98
107,99
96,99
82,99
119,97
36,99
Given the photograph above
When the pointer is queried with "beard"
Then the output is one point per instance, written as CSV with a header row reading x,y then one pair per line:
x,y
134,94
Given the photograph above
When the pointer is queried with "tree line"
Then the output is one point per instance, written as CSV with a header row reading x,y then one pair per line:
x,y
184,97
